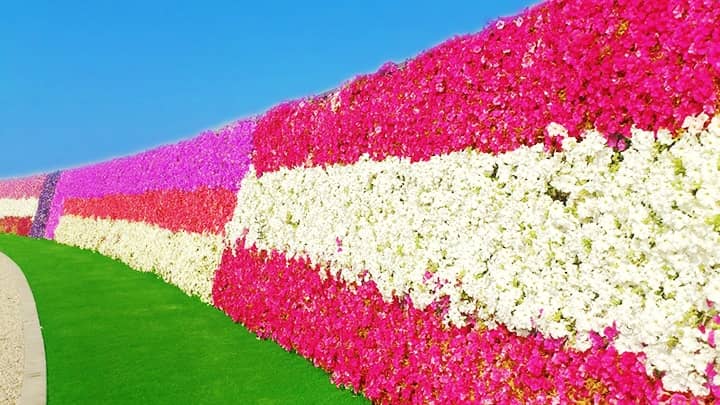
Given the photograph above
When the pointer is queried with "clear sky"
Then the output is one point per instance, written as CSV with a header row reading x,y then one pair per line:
x,y
86,81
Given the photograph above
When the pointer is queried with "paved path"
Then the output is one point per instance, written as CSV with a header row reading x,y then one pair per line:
x,y
22,354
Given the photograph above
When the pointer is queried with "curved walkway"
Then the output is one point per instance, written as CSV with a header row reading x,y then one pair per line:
x,y
22,354
115,335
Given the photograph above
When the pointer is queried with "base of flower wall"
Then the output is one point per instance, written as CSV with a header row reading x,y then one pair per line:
x,y
392,352
187,260
16,225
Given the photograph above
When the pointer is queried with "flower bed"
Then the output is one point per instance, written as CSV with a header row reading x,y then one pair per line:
x,y
395,353
201,210
22,187
161,211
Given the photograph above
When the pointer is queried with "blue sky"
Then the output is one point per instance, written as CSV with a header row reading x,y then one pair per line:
x,y
82,82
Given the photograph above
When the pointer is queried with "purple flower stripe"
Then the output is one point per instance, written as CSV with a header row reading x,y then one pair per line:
x,y
213,159
41,216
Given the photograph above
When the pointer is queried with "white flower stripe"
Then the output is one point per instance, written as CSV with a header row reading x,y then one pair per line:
x,y
187,260
18,207
565,244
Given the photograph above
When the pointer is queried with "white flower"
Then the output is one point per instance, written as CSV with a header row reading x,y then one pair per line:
x,y
695,124
714,127
187,260
555,129
18,207
571,242
665,137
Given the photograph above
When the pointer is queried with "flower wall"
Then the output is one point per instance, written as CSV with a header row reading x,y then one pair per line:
x,y
604,64
582,248
18,204
395,353
528,214
214,159
162,211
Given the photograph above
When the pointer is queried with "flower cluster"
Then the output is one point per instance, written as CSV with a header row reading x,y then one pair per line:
x,y
566,243
44,201
393,352
162,211
18,207
185,259
176,234
18,204
215,159
203,210
607,64
22,188
15,225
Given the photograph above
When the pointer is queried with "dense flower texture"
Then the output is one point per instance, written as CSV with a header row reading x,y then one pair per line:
x,y
202,210
16,225
185,259
176,234
215,159
46,195
567,244
18,207
605,64
395,353
18,204
162,211
22,188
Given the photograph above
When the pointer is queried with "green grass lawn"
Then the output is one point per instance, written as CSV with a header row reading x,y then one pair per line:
x,y
115,335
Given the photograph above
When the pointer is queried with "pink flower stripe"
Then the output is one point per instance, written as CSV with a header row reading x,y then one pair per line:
x,y
607,64
16,225
394,353
25,187
204,210
212,159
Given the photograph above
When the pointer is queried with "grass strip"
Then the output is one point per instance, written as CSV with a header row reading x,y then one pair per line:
x,y
114,335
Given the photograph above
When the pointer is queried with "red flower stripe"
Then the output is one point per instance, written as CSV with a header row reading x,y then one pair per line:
x,y
201,210
17,225
395,353
606,64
